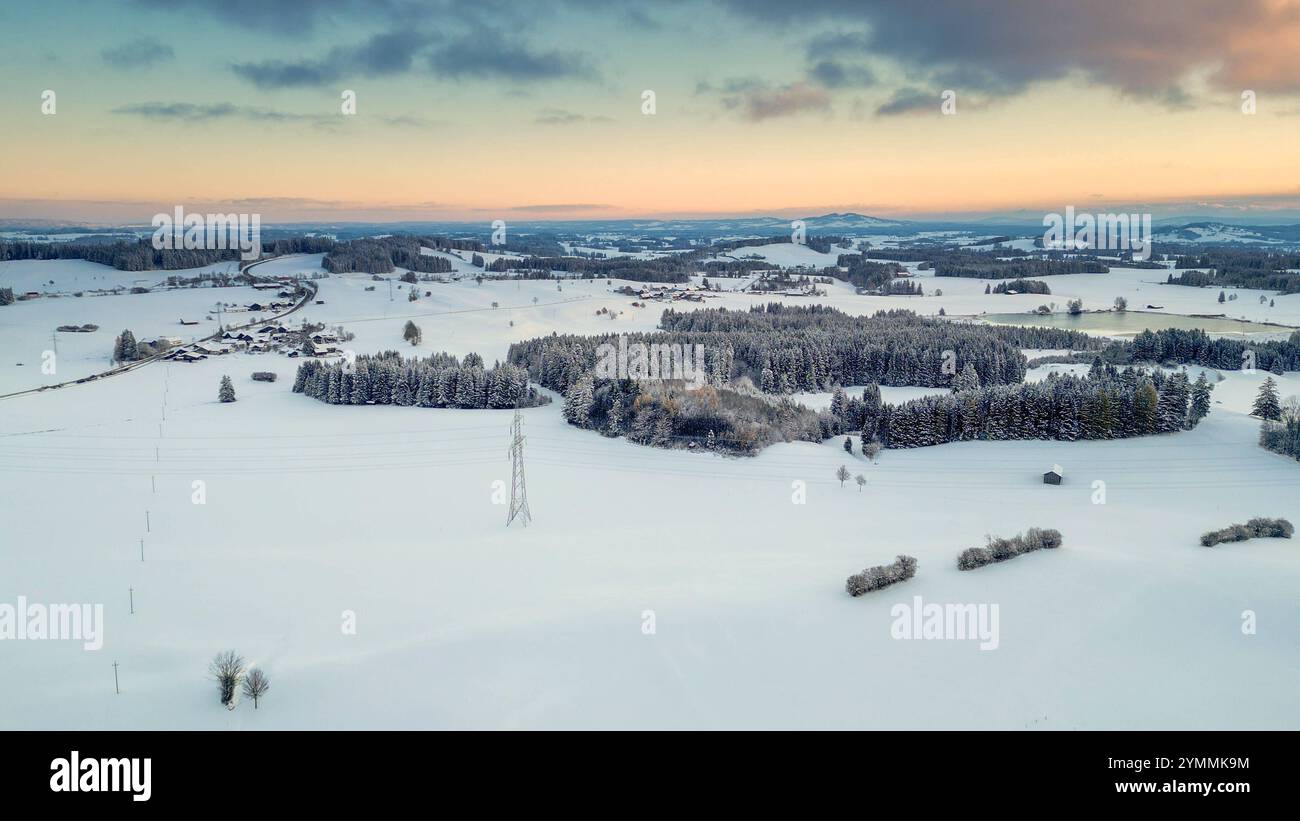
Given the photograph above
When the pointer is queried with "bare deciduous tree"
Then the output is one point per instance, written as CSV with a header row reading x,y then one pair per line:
x,y
227,668
256,684
871,449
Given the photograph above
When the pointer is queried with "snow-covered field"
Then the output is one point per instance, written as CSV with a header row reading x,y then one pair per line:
x,y
314,514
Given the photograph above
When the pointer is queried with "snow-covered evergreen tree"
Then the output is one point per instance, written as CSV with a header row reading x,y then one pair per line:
x,y
577,402
1172,408
126,349
966,380
226,392
1267,405
1200,399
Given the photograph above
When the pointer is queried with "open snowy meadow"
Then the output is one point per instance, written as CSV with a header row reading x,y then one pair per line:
x,y
359,554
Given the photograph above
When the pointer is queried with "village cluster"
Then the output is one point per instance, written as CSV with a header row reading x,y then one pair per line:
x,y
271,336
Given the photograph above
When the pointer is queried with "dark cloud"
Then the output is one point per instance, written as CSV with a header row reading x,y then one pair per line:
x,y
558,116
200,113
486,54
909,101
481,54
382,55
839,43
637,18
730,86
834,74
1144,49
410,121
140,53
279,74
277,15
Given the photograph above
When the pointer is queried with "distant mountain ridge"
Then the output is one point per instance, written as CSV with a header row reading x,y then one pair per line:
x,y
1190,231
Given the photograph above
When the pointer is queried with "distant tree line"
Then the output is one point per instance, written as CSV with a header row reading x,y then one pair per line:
x,y
778,349
735,267
142,256
382,256
437,381
996,263
669,268
1243,268
1022,286
784,349
124,256
960,266
822,244
1106,404
868,275
1196,347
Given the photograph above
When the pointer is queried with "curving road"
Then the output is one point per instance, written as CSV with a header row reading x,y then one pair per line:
x,y
308,286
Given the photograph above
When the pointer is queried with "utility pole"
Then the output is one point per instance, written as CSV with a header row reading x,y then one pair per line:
x,y
142,550
116,688
518,489
147,528
132,591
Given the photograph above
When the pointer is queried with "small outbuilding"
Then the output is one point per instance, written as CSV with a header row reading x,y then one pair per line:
x,y
1053,476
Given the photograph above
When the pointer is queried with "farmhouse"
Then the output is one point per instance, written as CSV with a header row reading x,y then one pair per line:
x,y
1053,476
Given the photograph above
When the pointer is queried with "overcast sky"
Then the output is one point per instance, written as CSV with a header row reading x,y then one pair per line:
x,y
486,109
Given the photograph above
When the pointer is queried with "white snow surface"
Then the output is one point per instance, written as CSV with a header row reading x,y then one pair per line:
x,y
313,511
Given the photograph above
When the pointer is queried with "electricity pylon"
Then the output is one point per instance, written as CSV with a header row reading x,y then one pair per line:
x,y
518,489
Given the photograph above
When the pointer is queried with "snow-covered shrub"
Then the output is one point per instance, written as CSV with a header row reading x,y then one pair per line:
x,y
973,557
264,376
1271,528
1257,528
999,549
1037,538
881,576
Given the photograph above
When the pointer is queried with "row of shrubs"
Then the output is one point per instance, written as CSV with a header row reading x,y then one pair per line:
x,y
1257,528
881,576
999,550
1041,538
